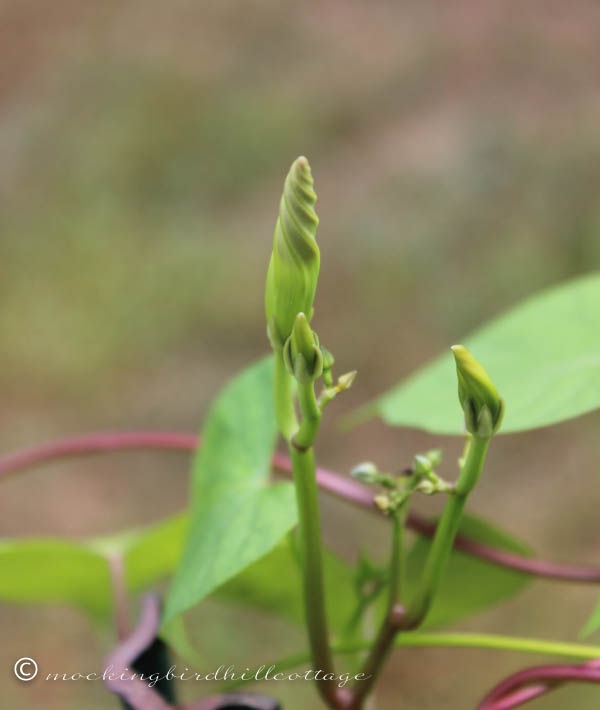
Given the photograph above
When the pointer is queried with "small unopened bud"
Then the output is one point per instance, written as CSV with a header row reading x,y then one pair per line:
x,y
295,260
427,487
435,457
346,380
344,383
422,465
383,502
482,405
328,361
366,472
301,353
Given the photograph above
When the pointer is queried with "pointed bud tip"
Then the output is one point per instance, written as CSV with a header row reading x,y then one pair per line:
x,y
302,162
346,380
459,352
303,337
301,168
302,350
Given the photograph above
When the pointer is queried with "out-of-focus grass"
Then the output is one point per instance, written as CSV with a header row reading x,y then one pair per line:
x,y
114,247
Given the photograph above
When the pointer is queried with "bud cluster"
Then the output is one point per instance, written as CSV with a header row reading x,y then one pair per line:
x,y
421,478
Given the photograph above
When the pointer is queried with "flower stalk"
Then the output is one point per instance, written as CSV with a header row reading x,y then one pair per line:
x,y
290,290
483,410
447,530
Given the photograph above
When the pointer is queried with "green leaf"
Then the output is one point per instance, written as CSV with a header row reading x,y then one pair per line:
x,y
76,572
274,584
155,552
54,571
175,634
470,584
543,356
235,517
592,624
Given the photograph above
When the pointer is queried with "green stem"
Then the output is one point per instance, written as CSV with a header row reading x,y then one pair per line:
x,y
471,470
456,639
499,643
283,388
303,465
311,416
384,640
300,443
446,531
397,558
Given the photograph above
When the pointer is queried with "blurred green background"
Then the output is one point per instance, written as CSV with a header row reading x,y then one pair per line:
x,y
143,147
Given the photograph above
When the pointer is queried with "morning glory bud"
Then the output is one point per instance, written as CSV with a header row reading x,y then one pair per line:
x,y
294,266
301,353
482,405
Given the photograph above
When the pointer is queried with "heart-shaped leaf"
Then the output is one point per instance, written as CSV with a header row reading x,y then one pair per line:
x,y
235,517
543,356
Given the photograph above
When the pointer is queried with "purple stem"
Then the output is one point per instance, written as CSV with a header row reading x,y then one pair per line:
x,y
95,443
520,697
530,683
116,565
341,486
120,662
139,695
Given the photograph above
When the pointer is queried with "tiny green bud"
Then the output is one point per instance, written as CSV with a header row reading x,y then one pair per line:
x,y
427,487
422,465
303,340
328,361
434,484
382,502
366,472
435,457
346,380
482,405
295,260
301,353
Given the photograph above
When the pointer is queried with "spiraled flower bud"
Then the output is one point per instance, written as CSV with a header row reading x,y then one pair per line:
x,y
479,398
295,260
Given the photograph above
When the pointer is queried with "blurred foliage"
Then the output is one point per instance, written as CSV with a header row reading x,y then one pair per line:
x,y
133,174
